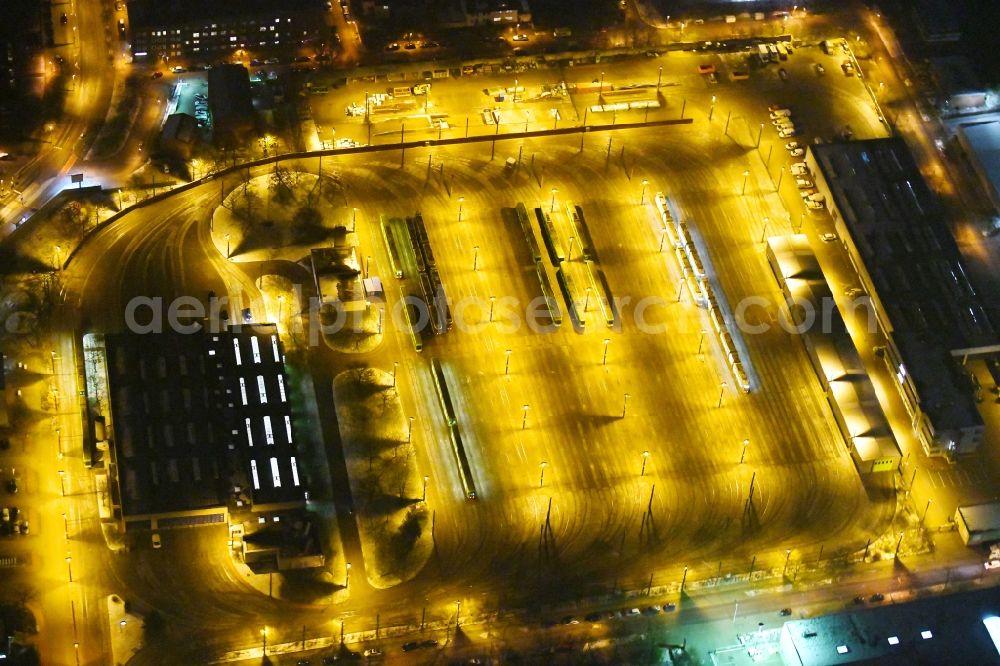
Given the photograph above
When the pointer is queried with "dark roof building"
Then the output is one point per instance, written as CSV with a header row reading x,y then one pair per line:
x,y
230,102
939,20
201,425
893,229
204,30
180,135
952,629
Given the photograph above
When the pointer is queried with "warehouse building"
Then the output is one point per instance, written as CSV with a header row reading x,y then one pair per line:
x,y
201,427
906,260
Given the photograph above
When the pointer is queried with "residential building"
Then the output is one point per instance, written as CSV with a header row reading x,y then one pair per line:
x,y
194,29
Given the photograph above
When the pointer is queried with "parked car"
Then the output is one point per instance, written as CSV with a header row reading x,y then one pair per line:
x,y
779,108
788,132
803,183
828,237
593,617
156,541
783,74
877,597
820,69
785,612
410,646
798,152
814,205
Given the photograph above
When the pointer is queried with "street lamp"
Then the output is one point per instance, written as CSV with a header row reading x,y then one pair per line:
x,y
347,579
458,612
586,301
395,364
493,302
354,219
524,419
461,201
722,391
69,567
227,245
746,174
746,442
263,638
600,89
788,554
552,204
624,405
506,369
659,77
543,465
711,109
760,133
409,432
781,174
281,304
645,457
642,197
607,341
62,482
475,258
423,498
763,233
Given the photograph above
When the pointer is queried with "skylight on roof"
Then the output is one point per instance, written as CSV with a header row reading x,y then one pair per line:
x,y
926,633
893,640
842,649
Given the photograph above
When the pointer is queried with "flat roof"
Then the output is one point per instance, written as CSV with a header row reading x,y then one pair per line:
x,y
160,13
946,629
897,228
170,452
194,415
981,517
983,141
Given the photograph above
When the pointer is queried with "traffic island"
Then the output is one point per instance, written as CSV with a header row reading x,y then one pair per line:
x,y
388,489
282,214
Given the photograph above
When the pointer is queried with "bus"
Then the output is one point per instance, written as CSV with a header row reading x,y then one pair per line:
x,y
782,51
